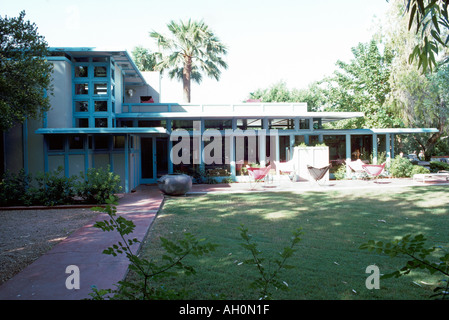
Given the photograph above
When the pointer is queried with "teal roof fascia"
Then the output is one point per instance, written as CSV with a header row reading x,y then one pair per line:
x,y
228,115
71,50
376,131
121,130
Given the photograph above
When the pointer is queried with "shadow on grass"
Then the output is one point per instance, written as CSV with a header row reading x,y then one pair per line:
x,y
329,263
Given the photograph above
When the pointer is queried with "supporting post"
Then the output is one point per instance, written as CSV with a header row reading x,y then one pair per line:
x,y
292,146
348,152
387,147
170,146
392,146
25,145
374,148
231,147
262,147
126,164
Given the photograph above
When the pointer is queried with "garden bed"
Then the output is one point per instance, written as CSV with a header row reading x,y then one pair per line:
x,y
28,233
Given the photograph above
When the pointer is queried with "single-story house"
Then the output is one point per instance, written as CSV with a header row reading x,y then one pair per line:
x,y
103,114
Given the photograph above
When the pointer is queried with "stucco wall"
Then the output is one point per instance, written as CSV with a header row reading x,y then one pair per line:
x,y
60,115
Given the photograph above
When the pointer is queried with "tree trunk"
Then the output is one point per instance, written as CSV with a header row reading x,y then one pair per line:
x,y
429,144
186,78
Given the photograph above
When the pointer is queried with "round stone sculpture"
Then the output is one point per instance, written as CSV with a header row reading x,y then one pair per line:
x,y
175,184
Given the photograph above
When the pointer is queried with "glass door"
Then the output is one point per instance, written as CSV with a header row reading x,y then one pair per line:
x,y
153,158
147,161
161,156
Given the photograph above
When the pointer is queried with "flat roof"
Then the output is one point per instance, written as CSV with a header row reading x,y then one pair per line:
x,y
163,131
121,57
121,130
376,131
325,116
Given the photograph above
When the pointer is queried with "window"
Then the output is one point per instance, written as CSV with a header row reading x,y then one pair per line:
x,y
152,123
101,142
81,59
282,124
218,124
314,140
126,123
81,72
81,106
99,59
182,124
82,122
76,142
299,140
81,88
100,72
245,124
101,106
101,122
94,91
304,124
100,88
119,142
56,142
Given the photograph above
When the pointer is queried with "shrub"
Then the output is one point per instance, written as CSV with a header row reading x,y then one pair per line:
x,y
340,173
401,167
53,188
436,166
14,188
418,169
269,271
97,185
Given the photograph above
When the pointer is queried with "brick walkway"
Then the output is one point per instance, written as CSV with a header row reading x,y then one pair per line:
x,y
45,278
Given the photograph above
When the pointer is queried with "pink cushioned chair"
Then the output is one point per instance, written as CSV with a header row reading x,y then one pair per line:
x,y
374,170
257,175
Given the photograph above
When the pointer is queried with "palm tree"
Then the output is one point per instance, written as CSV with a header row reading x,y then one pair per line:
x,y
192,50
144,59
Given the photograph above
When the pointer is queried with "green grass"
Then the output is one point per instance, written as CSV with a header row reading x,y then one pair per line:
x,y
329,264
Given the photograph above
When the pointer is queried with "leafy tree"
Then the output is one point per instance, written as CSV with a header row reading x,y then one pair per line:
x,y
430,20
279,92
144,59
25,74
421,257
424,102
420,99
192,50
362,85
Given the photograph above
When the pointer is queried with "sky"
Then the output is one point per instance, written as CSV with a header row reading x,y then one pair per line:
x,y
295,41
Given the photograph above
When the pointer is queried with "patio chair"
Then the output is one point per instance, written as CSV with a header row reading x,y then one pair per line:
x,y
357,167
374,170
285,167
318,173
257,175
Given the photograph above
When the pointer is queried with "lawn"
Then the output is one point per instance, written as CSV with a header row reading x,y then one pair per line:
x,y
328,262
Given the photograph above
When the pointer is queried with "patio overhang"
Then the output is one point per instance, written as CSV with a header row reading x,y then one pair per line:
x,y
325,116
375,131
125,130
